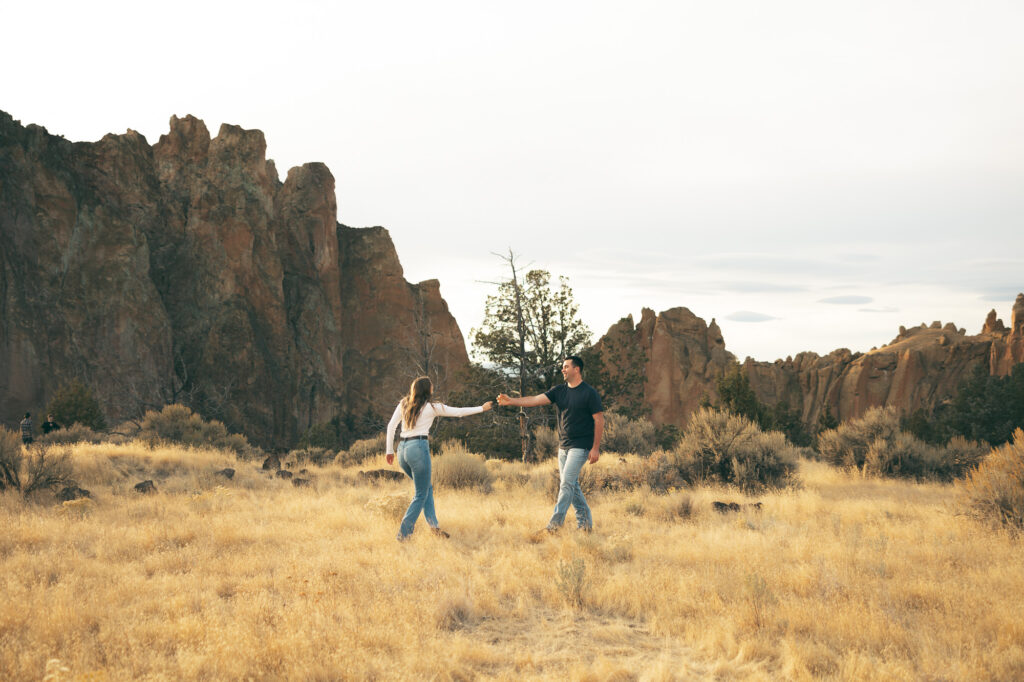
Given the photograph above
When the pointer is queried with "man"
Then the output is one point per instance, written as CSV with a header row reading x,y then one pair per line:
x,y
580,425
49,425
26,429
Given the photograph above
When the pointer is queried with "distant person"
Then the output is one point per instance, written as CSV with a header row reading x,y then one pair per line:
x,y
49,425
580,426
26,430
417,412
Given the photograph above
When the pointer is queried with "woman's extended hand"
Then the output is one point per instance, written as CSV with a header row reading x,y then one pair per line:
x,y
488,405
390,458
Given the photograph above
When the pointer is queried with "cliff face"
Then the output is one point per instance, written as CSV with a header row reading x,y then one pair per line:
x,y
683,357
187,271
920,368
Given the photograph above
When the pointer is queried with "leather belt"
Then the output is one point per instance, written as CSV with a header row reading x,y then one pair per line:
x,y
416,438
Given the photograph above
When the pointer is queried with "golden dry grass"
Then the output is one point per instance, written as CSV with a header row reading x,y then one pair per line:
x,y
842,578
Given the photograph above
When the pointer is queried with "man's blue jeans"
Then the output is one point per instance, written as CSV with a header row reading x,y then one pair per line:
x,y
570,462
414,459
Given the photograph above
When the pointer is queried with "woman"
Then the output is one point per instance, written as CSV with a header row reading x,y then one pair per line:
x,y
417,411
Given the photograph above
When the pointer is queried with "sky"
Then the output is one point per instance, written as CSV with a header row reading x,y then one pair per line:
x,y
811,175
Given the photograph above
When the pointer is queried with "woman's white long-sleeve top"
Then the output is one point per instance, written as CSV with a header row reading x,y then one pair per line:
x,y
424,421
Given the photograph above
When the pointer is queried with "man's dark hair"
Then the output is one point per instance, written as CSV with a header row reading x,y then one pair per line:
x,y
28,415
576,360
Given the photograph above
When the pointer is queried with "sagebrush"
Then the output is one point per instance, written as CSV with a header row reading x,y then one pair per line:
x,y
721,447
456,467
876,445
179,424
995,490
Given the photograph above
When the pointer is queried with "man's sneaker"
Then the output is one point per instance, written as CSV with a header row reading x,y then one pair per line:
x,y
439,532
585,529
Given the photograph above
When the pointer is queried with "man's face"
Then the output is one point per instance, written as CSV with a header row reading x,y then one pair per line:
x,y
569,370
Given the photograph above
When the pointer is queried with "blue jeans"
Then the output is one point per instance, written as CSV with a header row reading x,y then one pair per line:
x,y
570,462
414,459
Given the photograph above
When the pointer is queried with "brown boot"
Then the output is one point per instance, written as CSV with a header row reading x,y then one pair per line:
x,y
439,532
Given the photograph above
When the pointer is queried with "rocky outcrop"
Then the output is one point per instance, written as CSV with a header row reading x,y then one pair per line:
x,y
188,272
920,368
1008,345
683,357
404,330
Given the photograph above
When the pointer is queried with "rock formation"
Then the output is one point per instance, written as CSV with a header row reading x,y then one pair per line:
x,y
920,368
683,357
187,271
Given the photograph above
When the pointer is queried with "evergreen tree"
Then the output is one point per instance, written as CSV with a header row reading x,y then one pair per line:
x,y
551,329
74,403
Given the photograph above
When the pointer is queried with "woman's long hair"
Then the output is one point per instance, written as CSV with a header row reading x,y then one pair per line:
x,y
412,404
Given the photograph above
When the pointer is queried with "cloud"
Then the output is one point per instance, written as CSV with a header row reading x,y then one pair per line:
x,y
886,309
847,300
756,287
749,316
998,297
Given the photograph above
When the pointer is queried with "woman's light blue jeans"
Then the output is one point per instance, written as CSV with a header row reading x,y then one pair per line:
x,y
570,462
414,459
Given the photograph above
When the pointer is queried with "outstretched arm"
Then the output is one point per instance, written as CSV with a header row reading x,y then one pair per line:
x,y
443,410
527,401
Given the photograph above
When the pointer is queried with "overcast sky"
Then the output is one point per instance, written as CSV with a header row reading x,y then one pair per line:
x,y
810,174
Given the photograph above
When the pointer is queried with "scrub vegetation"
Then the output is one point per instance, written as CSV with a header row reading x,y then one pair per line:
x,y
839,574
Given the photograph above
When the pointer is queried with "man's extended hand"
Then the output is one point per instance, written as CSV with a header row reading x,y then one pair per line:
x,y
595,454
390,458
504,400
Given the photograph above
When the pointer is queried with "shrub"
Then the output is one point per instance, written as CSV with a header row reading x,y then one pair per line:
x,y
11,457
625,435
513,474
876,445
47,469
995,490
178,424
41,470
457,467
545,443
847,444
361,451
903,455
721,447
962,455
668,436
76,433
75,404
311,455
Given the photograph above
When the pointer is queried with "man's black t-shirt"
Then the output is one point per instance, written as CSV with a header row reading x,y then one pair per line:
x,y
576,408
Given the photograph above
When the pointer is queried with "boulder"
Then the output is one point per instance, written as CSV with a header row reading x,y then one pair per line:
x,y
72,492
383,475
145,487
228,473
727,507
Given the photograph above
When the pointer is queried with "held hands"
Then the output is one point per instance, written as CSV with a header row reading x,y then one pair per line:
x,y
390,458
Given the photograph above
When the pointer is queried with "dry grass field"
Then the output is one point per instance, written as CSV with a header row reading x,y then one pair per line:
x,y
253,578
